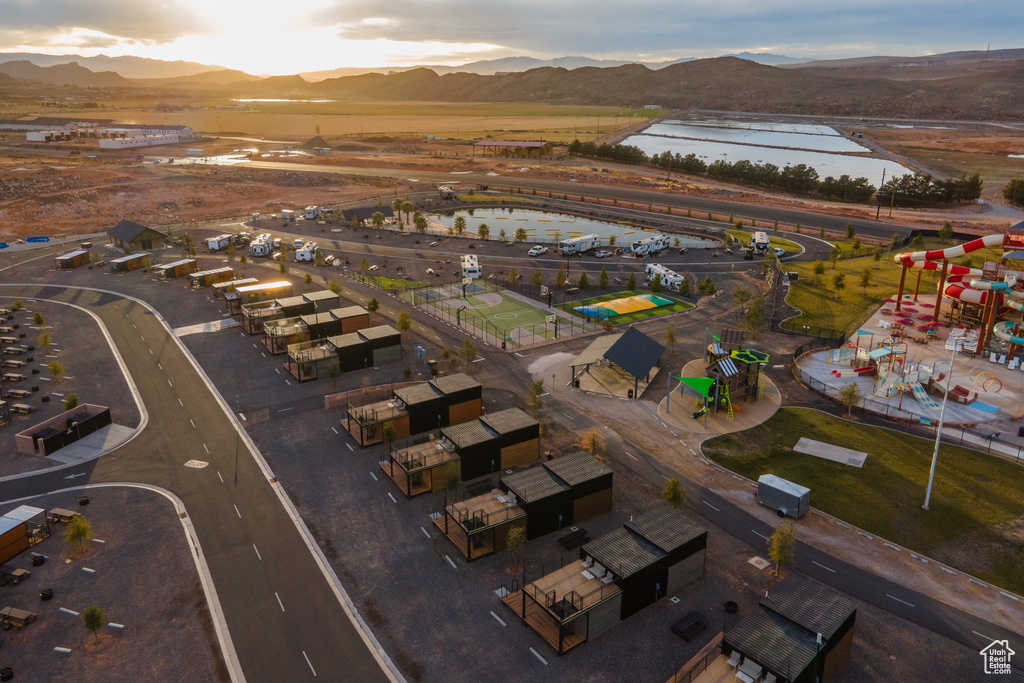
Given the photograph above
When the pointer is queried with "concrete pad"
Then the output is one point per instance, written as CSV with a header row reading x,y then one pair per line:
x,y
93,446
212,326
759,562
827,451
745,415
611,381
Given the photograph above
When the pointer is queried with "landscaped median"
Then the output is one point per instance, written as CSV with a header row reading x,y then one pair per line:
x,y
976,520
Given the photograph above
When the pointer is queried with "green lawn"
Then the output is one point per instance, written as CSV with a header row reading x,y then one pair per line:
x,y
743,238
977,500
675,307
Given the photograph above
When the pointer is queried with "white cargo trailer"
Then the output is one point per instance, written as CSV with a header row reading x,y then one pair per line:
x,y
783,496
288,214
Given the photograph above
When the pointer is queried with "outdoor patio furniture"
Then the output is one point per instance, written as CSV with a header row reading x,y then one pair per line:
x,y
587,575
770,678
598,571
734,659
15,574
689,626
992,358
60,515
1013,363
573,539
588,563
749,671
1002,359
12,616
607,578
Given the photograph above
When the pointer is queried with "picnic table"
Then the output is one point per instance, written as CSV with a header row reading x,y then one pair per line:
x,y
23,408
14,377
574,539
689,626
19,393
60,515
12,616
15,574
13,363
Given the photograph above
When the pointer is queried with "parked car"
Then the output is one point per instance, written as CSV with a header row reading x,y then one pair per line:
x,y
538,250
277,243
432,244
780,252
297,244
683,250
602,254
748,254
373,268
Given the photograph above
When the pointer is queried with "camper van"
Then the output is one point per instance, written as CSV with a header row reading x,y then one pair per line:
x,y
470,267
219,242
670,279
579,245
649,246
260,245
307,252
288,214
759,242
312,212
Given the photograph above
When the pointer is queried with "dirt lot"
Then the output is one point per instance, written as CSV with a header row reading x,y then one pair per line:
x,y
144,578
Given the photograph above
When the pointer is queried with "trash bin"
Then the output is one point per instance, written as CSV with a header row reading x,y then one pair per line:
x,y
629,394
84,500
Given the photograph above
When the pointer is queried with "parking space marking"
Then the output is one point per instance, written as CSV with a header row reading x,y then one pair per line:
x,y
180,403
258,556
285,410
425,532
982,635
898,600
236,510
761,535
220,477
287,382
537,655
160,366
308,662
350,447
334,430
206,449
823,566
374,476
150,351
192,423
498,618
169,383
281,604
392,497
450,562
632,456
277,370
711,506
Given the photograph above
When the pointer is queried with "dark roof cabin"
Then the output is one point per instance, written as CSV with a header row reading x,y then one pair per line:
x,y
497,441
132,237
369,347
437,403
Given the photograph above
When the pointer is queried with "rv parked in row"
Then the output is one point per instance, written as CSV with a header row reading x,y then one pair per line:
x,y
579,245
670,279
760,242
219,242
649,246
470,267
307,252
288,214
312,213
260,246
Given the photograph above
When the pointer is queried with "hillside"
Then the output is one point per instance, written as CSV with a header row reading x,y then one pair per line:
x,y
129,67
63,74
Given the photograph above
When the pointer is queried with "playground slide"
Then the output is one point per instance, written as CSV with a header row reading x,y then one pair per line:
x,y
922,396
852,372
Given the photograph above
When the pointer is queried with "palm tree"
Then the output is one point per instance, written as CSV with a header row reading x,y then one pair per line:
x,y
483,231
408,208
460,224
397,206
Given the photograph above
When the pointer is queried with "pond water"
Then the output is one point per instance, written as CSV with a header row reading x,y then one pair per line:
x,y
778,126
752,136
825,163
546,226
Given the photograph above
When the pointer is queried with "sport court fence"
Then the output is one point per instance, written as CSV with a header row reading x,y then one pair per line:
x,y
917,423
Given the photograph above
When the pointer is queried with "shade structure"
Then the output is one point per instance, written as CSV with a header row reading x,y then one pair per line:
x,y
699,384
750,356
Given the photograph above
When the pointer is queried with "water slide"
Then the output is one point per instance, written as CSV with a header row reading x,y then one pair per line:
x,y
922,396
956,275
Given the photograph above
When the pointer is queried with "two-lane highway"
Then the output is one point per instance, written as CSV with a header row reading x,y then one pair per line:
x,y
285,617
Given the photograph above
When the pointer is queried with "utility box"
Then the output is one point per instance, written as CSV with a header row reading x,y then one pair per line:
x,y
785,497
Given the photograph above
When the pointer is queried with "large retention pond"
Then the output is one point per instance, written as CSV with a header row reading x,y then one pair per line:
x,y
545,226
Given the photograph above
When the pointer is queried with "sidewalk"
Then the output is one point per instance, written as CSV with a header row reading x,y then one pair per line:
x,y
639,422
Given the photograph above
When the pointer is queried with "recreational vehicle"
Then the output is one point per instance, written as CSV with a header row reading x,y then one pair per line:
x,y
649,246
759,242
219,242
470,267
288,215
307,252
579,245
446,192
670,279
260,246
312,212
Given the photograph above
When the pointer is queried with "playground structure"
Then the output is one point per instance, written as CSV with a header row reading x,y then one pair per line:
x,y
730,375
980,297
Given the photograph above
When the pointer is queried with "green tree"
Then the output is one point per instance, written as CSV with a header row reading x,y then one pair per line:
x,y
377,220
670,337
707,286
602,280
584,281
283,267
850,231
611,240
728,241
501,234
520,235
850,396
452,476
741,295
561,278
754,318
78,532
894,241
918,243
308,279
94,618
404,322
857,244
56,369
335,287
373,305
333,370
946,231
818,268
421,223
44,339
242,259
467,352
838,282
865,280
782,545
592,441
230,251
684,287
674,494
513,277
631,283
364,266
484,231
387,431
514,542
879,252
536,401
833,256
538,279
70,401
1013,191
398,206
18,304
408,207
821,233
38,319
460,225
656,283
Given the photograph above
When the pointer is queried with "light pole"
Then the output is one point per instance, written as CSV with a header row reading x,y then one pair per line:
x,y
938,431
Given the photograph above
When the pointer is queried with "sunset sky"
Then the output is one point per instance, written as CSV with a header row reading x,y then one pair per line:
x,y
276,37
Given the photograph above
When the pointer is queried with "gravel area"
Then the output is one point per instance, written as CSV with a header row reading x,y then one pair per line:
x,y
144,578
91,370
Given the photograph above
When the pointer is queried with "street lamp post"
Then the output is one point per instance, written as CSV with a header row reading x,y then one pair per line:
x,y
938,431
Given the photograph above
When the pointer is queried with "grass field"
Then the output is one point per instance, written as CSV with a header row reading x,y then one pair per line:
x,y
817,298
977,502
676,306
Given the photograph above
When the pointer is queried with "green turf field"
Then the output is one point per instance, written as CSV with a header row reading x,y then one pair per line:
x,y
676,306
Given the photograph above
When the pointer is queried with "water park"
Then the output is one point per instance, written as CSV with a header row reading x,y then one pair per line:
x,y
966,340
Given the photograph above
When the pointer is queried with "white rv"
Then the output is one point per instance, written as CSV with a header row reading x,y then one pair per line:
x,y
260,245
219,242
307,252
670,279
312,212
649,246
760,242
578,245
288,214
470,267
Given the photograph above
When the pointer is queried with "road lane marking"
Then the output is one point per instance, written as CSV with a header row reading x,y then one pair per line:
x,y
220,477
983,636
277,371
287,382
236,511
169,383
450,562
334,430
192,423
631,455
711,506
308,662
180,403
72,476
350,447
1007,595
498,618
258,556
537,655
761,535
898,600
979,583
280,604
206,449
285,410
823,566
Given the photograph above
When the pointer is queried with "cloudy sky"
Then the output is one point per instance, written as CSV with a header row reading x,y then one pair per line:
x,y
289,36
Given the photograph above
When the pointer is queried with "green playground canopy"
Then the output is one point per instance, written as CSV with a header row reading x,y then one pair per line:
x,y
702,385
750,356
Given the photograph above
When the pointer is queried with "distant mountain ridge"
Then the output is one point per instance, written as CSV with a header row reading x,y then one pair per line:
x,y
128,67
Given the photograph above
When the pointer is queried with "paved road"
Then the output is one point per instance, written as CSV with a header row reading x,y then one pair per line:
x,y
807,219
284,617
